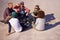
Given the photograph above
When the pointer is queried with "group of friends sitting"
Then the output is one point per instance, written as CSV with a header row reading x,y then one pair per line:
x,y
18,15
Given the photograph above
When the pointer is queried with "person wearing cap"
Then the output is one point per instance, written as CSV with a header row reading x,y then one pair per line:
x,y
25,12
24,8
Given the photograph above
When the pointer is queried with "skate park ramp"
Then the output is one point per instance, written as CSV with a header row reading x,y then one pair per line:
x,y
52,31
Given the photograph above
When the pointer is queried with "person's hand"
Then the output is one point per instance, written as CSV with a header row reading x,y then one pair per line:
x,y
26,14
35,16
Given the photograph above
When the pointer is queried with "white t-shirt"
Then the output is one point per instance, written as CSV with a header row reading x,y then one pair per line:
x,y
40,24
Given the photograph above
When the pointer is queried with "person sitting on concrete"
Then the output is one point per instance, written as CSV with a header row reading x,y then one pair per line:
x,y
34,13
7,15
14,20
25,12
40,21
7,12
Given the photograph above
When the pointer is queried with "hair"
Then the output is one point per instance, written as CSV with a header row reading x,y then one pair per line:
x,y
17,6
10,3
41,14
37,7
22,2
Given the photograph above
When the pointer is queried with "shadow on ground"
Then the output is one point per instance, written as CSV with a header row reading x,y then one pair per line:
x,y
49,26
48,18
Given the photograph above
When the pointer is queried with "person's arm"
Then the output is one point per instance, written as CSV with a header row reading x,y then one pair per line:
x,y
8,14
34,15
27,11
5,14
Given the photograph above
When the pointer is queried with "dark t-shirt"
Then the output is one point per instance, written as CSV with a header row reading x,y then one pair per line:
x,y
7,12
35,13
10,10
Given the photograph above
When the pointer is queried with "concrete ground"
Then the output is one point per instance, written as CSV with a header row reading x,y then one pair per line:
x,y
31,34
52,31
